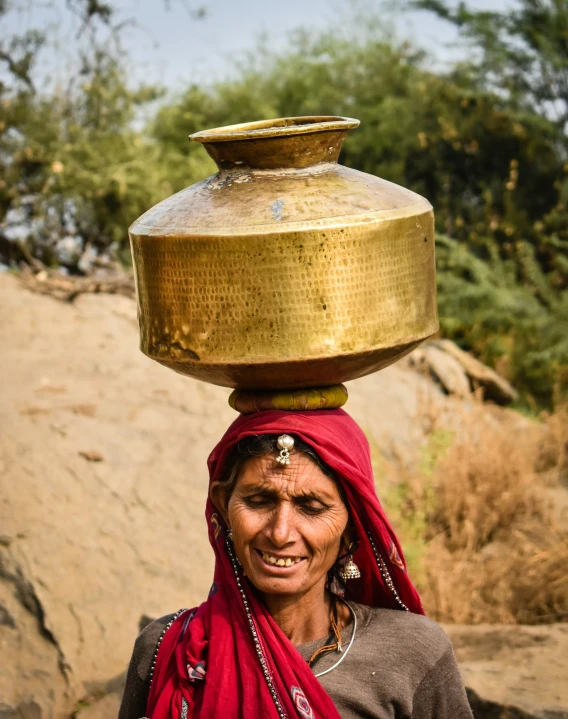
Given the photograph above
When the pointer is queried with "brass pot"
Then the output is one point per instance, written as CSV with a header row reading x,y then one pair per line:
x,y
284,269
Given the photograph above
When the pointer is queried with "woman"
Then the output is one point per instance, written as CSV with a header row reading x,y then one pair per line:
x,y
294,520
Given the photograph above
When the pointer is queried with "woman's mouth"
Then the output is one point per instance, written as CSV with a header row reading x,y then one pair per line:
x,y
278,561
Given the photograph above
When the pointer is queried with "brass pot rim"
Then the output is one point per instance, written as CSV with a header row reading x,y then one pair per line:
x,y
278,127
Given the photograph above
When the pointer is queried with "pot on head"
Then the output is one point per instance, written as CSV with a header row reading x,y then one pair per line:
x,y
284,269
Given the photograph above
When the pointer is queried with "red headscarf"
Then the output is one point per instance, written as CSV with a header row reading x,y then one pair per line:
x,y
228,658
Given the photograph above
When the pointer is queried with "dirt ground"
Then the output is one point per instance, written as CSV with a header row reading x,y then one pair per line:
x,y
103,482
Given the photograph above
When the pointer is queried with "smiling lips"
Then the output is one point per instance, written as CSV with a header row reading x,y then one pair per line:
x,y
279,561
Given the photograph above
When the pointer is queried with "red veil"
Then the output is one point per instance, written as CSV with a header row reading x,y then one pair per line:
x,y
228,658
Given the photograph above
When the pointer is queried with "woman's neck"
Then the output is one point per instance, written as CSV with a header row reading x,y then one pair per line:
x,y
304,618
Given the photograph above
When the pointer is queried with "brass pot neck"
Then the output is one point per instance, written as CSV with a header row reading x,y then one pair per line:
x,y
285,143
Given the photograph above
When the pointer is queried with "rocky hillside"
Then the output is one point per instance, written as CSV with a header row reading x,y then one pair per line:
x,y
102,465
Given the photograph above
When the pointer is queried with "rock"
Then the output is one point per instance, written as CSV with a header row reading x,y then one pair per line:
x,y
91,455
458,372
33,682
483,709
514,672
495,387
447,370
105,708
26,710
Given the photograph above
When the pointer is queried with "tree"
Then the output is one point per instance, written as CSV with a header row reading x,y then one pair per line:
x,y
71,162
522,51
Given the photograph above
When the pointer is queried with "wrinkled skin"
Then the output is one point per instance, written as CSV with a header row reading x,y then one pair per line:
x,y
293,511
287,512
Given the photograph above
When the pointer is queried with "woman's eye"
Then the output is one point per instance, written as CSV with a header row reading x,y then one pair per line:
x,y
312,508
257,501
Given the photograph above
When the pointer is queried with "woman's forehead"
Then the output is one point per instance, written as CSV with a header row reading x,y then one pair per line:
x,y
302,476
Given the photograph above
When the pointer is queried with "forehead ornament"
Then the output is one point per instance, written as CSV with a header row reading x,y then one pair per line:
x,y
285,444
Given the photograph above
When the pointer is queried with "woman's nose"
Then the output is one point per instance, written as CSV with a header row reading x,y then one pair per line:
x,y
281,529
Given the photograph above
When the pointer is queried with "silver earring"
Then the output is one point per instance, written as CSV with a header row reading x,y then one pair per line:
x,y
230,534
349,570
285,444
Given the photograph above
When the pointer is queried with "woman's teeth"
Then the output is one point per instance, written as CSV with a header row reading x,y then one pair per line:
x,y
280,561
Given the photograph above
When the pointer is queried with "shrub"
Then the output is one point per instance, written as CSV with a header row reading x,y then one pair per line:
x,y
492,546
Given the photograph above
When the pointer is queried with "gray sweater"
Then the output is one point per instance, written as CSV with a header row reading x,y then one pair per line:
x,y
401,666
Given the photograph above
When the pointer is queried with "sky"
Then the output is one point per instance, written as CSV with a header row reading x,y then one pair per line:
x,y
172,47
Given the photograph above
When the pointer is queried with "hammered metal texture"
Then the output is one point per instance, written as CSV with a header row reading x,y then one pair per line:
x,y
300,278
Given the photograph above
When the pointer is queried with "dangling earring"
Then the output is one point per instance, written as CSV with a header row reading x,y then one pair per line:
x,y
230,534
349,570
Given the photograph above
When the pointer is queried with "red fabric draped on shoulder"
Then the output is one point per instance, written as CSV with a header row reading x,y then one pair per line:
x,y
228,658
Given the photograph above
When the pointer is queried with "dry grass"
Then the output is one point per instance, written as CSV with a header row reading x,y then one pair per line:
x,y
493,545
521,581
553,452
484,486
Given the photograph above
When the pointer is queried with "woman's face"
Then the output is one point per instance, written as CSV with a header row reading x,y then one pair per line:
x,y
287,523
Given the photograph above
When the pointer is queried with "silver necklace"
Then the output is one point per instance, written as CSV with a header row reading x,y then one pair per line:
x,y
338,662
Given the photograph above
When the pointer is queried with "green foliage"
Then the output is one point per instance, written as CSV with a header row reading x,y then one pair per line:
x,y
407,519
73,168
522,51
485,309
72,165
439,442
409,499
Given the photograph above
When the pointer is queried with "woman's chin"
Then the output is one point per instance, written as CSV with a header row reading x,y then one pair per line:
x,y
274,579
274,585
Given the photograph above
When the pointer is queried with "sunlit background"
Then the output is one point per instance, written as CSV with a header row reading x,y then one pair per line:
x,y
103,453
